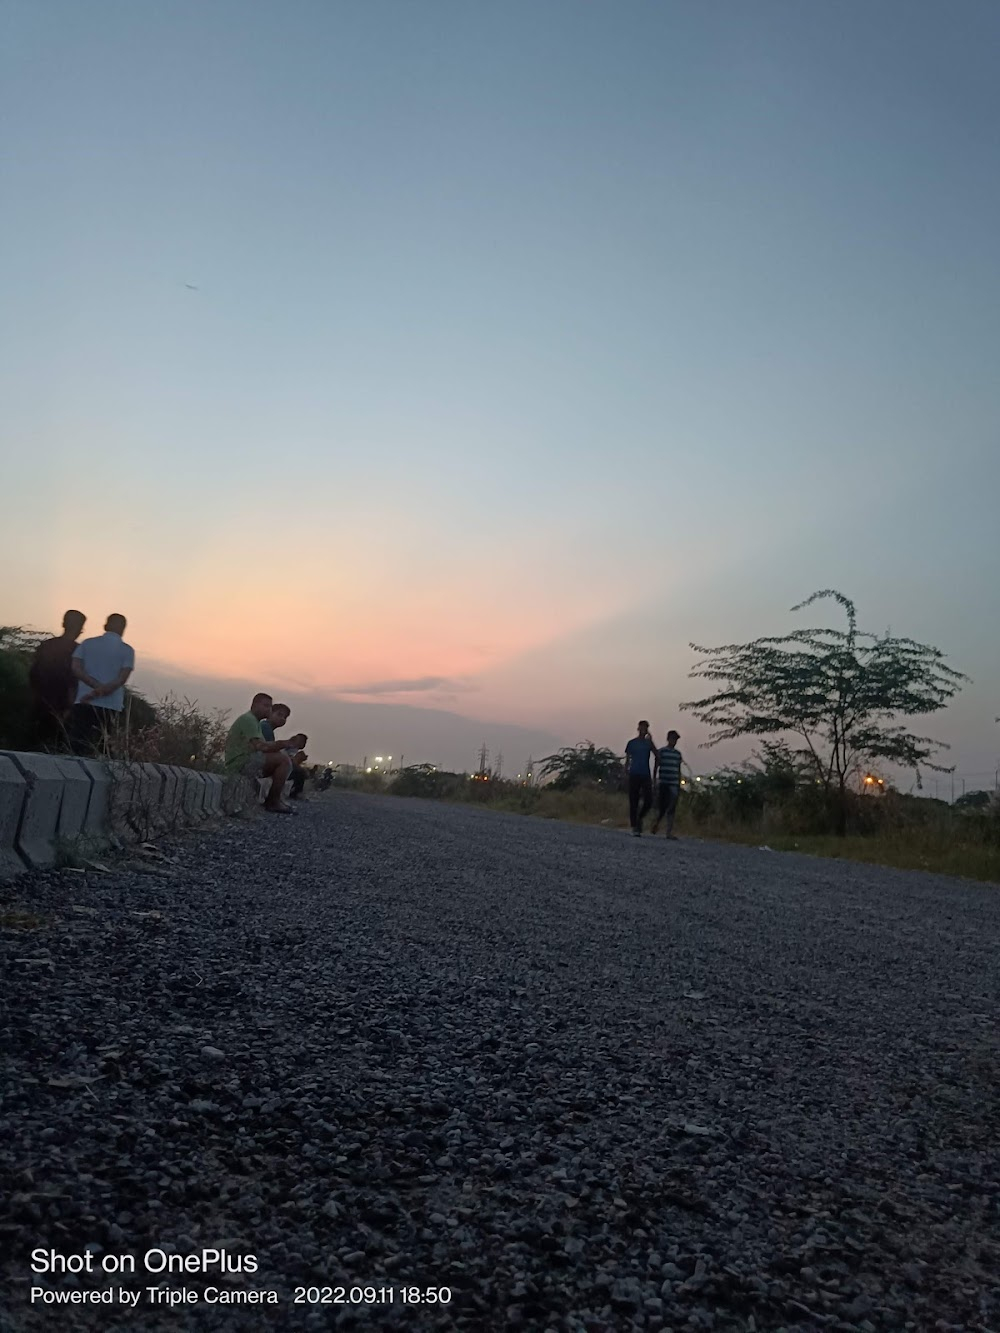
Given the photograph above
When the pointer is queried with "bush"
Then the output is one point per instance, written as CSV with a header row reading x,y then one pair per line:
x,y
427,781
16,717
175,731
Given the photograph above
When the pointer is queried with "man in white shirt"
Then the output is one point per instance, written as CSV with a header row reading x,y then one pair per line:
x,y
101,666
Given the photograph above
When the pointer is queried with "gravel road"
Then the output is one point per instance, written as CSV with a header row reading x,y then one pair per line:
x,y
586,1082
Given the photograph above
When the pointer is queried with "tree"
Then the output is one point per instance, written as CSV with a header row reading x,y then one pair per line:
x,y
840,690
973,800
586,762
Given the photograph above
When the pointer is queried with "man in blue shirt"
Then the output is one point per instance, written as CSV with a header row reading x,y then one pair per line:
x,y
638,753
275,720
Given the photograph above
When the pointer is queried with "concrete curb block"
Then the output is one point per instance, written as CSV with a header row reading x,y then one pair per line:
x,y
194,795
75,800
213,794
48,798
180,818
121,798
95,827
235,794
37,830
170,794
150,795
13,791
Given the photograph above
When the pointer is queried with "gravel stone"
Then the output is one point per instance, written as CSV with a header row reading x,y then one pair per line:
x,y
587,1082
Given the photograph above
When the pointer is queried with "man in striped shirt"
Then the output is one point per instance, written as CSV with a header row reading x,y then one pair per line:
x,y
669,773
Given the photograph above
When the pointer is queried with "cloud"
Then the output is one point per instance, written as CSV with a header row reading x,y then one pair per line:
x,y
421,685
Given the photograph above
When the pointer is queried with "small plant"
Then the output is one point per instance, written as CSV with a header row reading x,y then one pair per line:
x,y
68,854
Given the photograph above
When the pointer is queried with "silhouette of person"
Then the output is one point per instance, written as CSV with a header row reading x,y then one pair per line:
x,y
52,682
669,786
101,666
280,713
640,749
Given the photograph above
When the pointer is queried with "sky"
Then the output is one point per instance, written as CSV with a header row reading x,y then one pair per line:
x,y
478,359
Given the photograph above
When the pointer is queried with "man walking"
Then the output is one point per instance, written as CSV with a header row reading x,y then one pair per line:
x,y
101,666
53,684
640,789
669,762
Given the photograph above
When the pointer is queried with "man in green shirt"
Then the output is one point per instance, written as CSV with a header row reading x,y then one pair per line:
x,y
249,755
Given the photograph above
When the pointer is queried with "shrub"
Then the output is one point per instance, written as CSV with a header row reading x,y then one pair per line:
x,y
175,731
16,719
427,781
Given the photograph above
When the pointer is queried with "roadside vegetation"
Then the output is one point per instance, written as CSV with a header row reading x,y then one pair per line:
x,y
165,731
764,803
826,708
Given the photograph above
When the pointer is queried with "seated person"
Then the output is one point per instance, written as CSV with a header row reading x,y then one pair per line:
x,y
294,746
278,718
249,755
299,774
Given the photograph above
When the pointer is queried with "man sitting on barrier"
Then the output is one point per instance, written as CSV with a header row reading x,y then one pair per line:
x,y
299,760
278,718
249,755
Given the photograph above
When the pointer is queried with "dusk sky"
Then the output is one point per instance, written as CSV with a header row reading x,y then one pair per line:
x,y
478,358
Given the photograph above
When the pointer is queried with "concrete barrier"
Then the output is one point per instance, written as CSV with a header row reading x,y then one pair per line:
x,y
148,801
46,799
75,799
213,794
194,795
180,819
122,792
95,826
37,829
170,794
238,793
13,790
